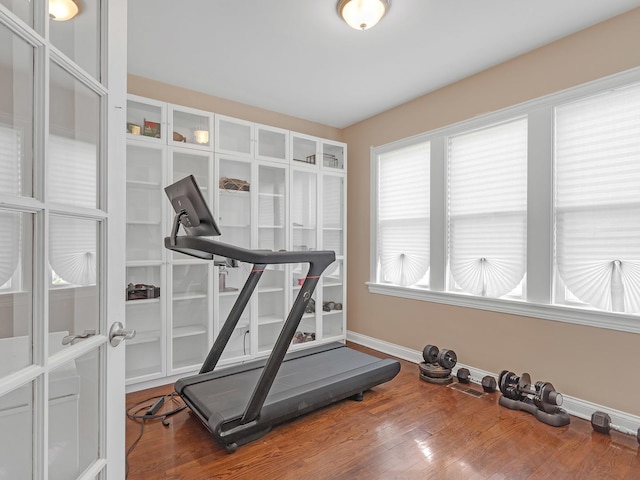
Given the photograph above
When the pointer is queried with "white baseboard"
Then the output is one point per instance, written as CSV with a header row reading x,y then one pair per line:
x,y
621,421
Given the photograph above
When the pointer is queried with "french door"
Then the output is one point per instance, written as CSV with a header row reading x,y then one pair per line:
x,y
62,102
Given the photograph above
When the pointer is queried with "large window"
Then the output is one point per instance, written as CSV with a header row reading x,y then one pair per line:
x,y
597,162
533,210
403,215
488,209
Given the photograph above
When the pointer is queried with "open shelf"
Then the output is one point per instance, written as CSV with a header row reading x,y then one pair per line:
x,y
188,331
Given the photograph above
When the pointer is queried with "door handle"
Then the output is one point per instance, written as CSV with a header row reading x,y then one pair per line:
x,y
118,333
70,338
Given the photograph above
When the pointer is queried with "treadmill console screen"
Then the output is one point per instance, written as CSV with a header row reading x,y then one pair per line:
x,y
186,198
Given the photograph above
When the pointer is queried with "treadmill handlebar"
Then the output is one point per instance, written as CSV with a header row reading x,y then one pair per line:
x,y
206,248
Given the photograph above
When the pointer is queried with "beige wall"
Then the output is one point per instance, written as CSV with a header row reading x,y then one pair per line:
x,y
190,98
592,364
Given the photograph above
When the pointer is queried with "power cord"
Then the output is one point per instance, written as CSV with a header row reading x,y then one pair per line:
x,y
150,407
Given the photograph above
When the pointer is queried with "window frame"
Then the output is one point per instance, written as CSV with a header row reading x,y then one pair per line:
x,y
540,269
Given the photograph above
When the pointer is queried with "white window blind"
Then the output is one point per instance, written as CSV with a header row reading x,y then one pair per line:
x,y
10,160
9,183
488,209
72,171
72,242
403,214
72,249
597,199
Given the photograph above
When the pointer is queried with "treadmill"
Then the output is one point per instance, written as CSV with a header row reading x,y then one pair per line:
x,y
241,403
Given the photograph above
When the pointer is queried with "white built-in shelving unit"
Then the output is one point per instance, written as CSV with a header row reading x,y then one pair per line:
x,y
268,188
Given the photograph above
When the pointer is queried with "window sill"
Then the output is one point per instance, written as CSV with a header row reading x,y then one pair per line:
x,y
591,318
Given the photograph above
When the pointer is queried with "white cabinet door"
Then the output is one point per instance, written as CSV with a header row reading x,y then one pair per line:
x,y
272,143
146,288
334,155
235,210
334,237
190,315
234,136
304,236
190,308
146,120
234,206
189,127
272,194
271,226
304,150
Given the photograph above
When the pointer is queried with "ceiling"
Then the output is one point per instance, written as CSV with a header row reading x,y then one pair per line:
x,y
299,58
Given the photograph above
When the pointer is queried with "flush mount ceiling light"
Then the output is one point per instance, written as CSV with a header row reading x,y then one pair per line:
x,y
61,10
363,14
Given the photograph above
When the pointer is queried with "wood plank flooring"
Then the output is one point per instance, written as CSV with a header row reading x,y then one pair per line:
x,y
404,429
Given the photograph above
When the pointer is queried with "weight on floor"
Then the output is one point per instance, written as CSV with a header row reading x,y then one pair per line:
x,y
437,365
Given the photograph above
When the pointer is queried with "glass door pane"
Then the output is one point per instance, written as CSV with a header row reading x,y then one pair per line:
x,y
16,291
273,144
190,126
23,10
303,210
272,303
16,416
187,162
190,314
145,314
304,149
78,37
272,221
307,329
145,198
234,135
16,114
234,201
17,407
74,420
333,155
333,308
145,120
74,133
230,282
333,214
74,293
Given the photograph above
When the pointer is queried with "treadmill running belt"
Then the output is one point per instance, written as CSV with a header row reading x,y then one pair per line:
x,y
302,384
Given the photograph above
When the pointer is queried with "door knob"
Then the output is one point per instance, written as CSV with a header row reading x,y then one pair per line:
x,y
118,333
70,338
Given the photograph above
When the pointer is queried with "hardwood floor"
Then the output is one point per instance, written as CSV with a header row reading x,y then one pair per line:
x,y
404,429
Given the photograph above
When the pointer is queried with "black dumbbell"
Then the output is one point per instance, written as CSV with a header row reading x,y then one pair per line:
x,y
463,375
601,422
447,358
430,353
489,384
